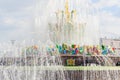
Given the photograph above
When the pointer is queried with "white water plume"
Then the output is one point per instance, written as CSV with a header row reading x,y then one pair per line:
x,y
83,31
34,66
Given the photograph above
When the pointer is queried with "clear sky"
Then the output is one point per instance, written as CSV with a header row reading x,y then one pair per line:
x,y
17,18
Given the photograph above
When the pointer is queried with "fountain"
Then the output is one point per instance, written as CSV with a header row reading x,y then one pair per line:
x,y
79,39
71,53
68,28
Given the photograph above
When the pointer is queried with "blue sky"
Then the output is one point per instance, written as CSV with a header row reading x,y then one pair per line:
x,y
17,18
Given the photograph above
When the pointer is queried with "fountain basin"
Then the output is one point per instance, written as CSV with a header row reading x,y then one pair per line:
x,y
95,68
69,73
